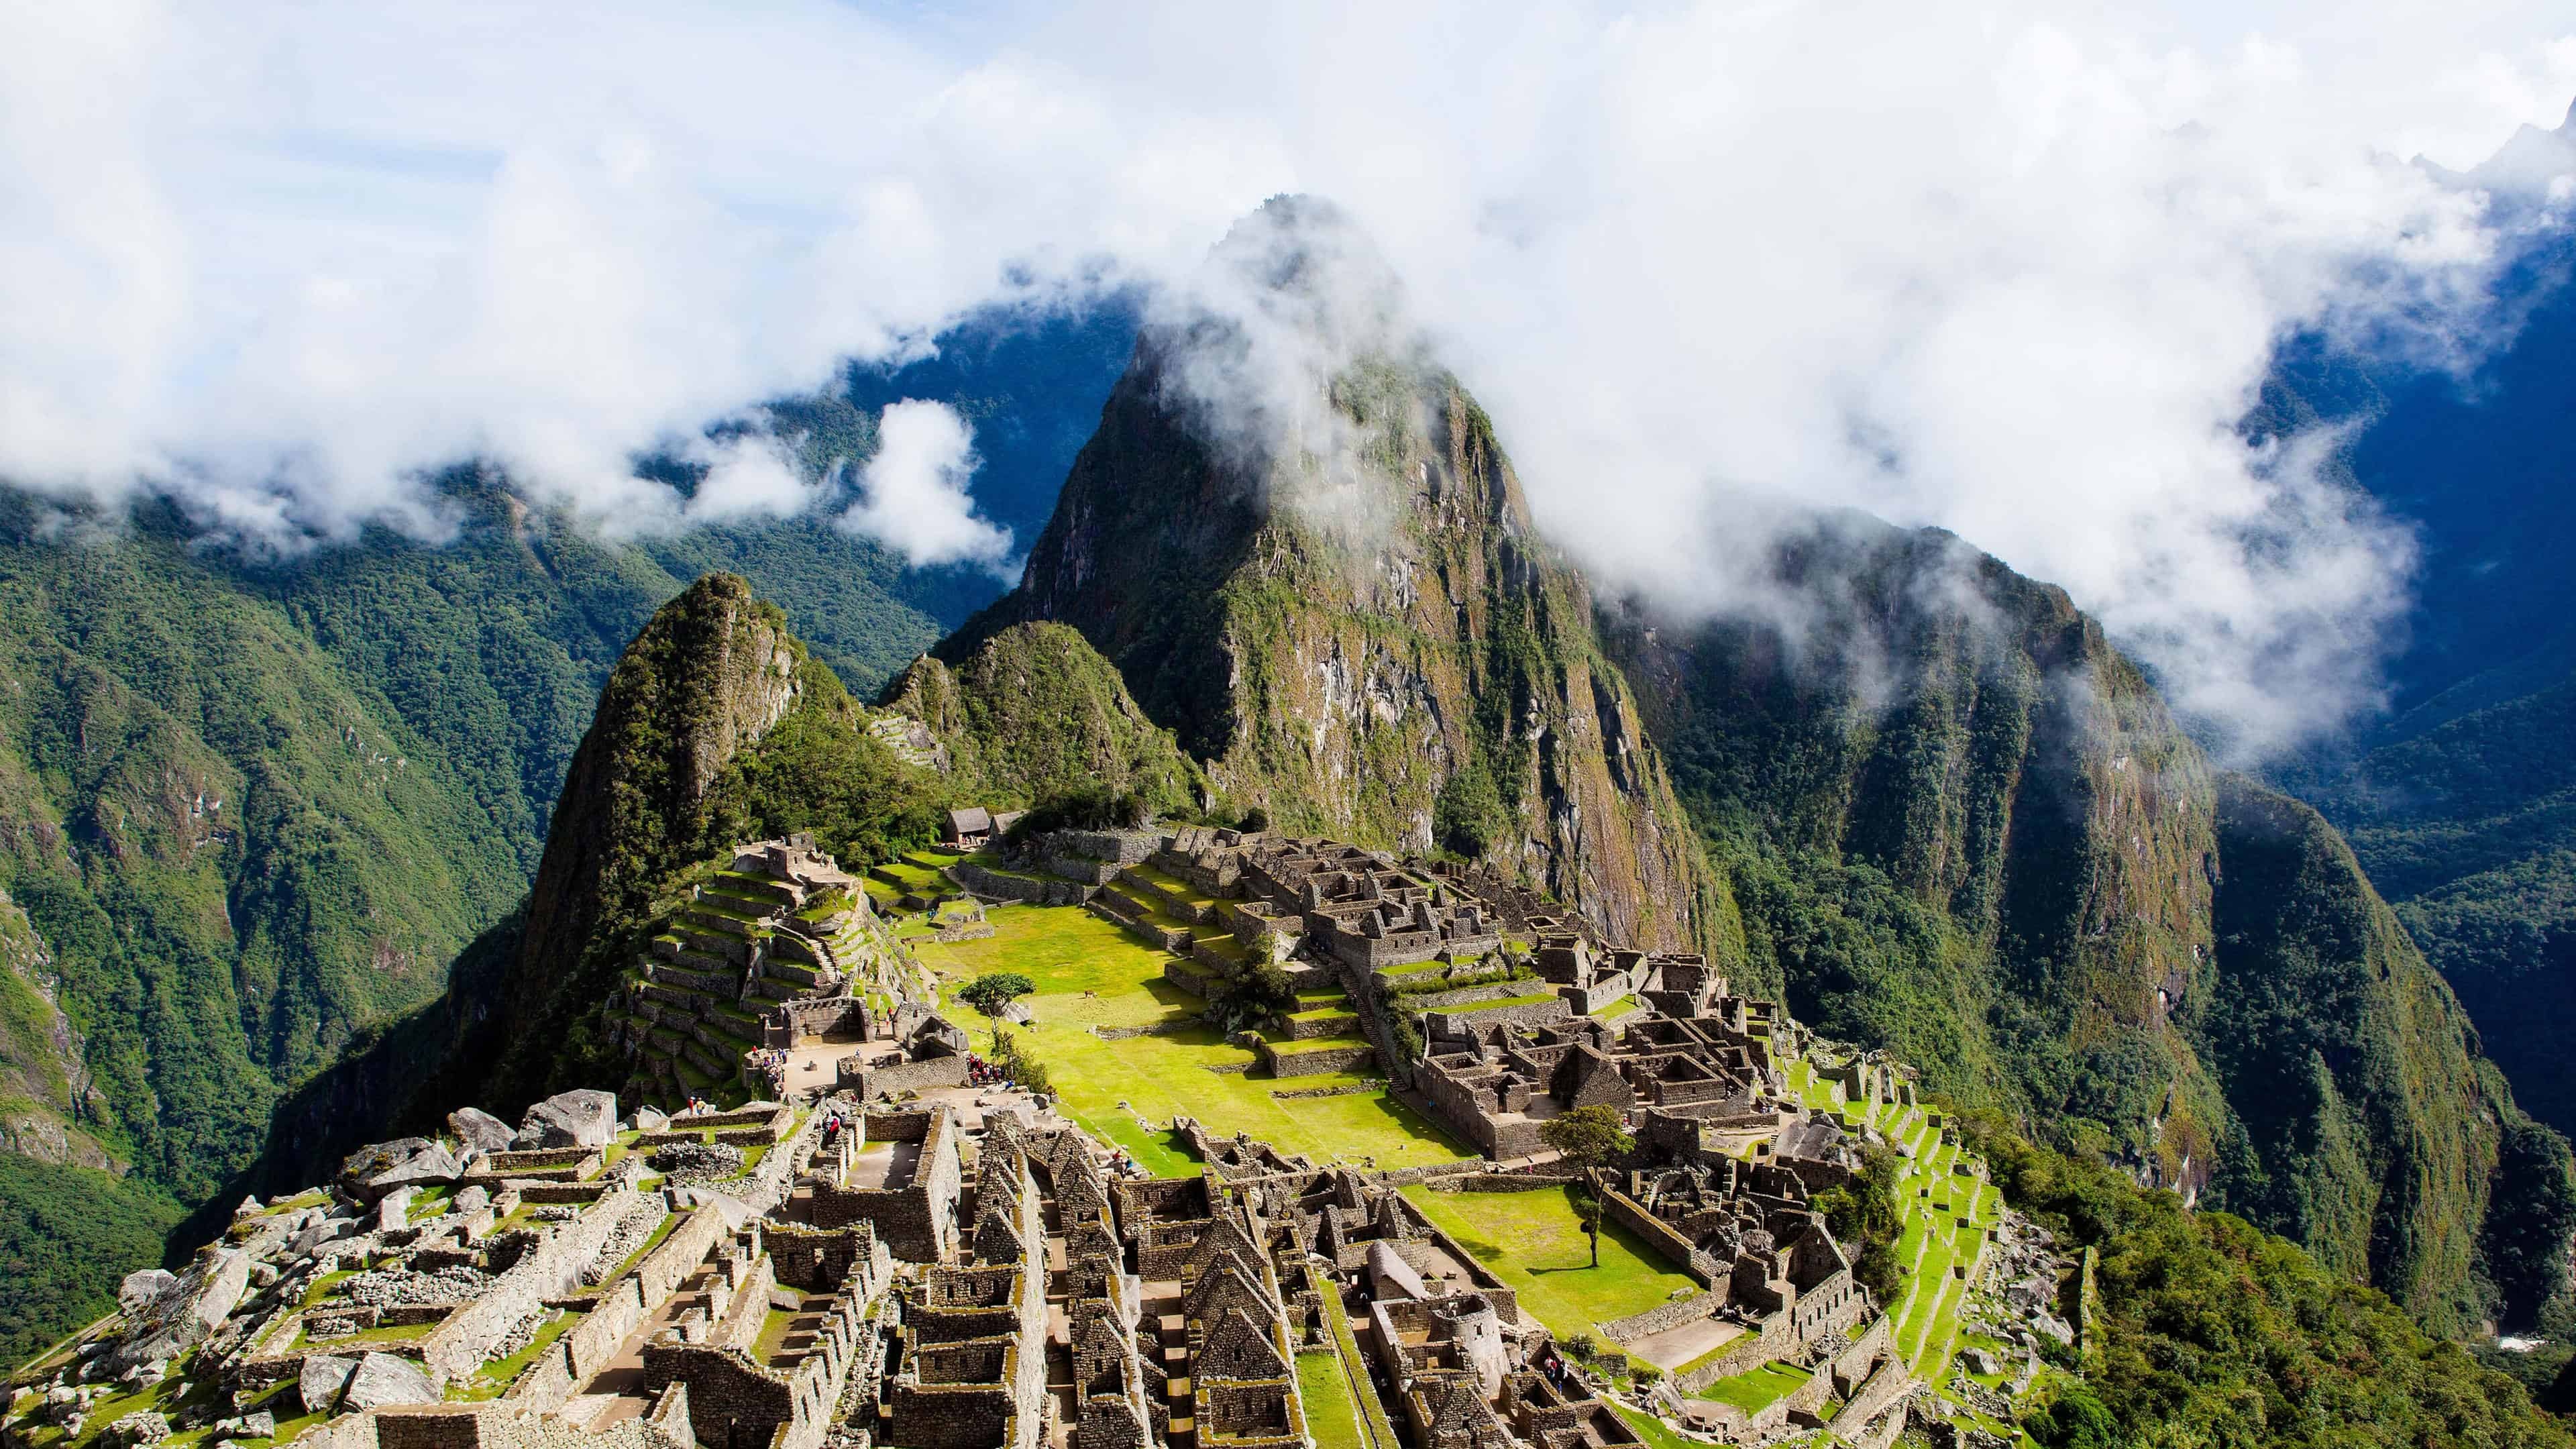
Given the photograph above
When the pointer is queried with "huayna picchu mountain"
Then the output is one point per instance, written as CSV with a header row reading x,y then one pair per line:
x,y
1373,640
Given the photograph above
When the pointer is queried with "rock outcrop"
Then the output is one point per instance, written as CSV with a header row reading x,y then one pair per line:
x,y
1338,605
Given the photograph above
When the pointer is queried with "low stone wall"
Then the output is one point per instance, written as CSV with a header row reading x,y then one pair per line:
x,y
1662,1237
552,1269
1292,1063
816,1016
1114,847
1465,995
993,885
1772,1338
1316,1027
1499,1182
1528,1013
1663,1317
898,1078
1159,1028
1346,1089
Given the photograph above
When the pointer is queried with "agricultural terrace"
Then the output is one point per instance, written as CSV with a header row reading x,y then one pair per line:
x,y
1091,973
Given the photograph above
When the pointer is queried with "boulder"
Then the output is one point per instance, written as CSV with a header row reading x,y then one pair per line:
x,y
480,1129
185,1312
383,1379
143,1288
261,1425
324,1377
142,1428
395,1209
471,1201
936,1037
649,1120
569,1119
433,1165
368,1162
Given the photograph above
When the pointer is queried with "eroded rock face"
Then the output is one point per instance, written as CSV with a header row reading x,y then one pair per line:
x,y
192,1306
477,1128
570,1119
383,1379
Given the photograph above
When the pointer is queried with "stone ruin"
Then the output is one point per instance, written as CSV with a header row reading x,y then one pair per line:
x,y
779,945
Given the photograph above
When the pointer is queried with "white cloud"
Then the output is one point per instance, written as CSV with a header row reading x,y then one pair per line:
x,y
912,491
2011,269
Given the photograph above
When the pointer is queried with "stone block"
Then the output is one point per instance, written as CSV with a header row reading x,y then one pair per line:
x,y
569,1119
383,1379
434,1165
480,1129
321,1381
143,1287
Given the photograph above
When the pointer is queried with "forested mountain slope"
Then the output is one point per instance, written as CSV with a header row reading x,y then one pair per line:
x,y
2461,802
1955,820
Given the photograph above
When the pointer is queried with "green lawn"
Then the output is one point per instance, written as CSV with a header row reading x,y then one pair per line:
x,y
1067,952
1758,1389
1332,1417
1652,1431
1548,1260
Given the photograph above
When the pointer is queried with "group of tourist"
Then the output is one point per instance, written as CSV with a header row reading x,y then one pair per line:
x,y
981,1073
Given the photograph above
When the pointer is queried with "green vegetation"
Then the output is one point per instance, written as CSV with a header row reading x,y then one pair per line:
x,y
1548,1255
1332,1414
991,995
1088,972
1757,1389
1920,813
65,1234
2211,1331
1589,1138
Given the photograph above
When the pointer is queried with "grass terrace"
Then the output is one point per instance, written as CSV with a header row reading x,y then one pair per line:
x,y
1090,972
1548,1260
1757,1389
1332,1414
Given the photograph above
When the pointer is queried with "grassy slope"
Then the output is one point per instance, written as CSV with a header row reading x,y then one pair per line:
x,y
1069,952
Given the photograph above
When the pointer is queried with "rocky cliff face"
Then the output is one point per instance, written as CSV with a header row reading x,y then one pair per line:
x,y
1958,822
1371,642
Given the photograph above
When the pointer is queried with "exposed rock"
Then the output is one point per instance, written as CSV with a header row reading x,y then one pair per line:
x,y
142,1428
649,1120
366,1164
480,1129
471,1200
324,1376
570,1119
185,1312
143,1287
395,1208
436,1164
383,1379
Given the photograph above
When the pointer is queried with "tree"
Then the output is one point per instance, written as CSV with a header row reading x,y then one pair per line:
x,y
1863,1216
992,994
1590,1138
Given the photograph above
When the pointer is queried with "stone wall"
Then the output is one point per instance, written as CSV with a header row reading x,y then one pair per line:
x,y
1293,1063
1529,1013
897,1078
1663,1238
552,1269
1026,890
1663,1317
816,1016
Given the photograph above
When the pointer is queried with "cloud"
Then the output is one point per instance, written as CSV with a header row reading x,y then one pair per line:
x,y
2014,269
912,492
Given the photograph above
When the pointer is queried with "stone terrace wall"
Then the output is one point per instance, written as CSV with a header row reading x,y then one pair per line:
x,y
1663,1238
1530,1013
553,1269
1026,890
1294,1063
622,1306
899,1077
